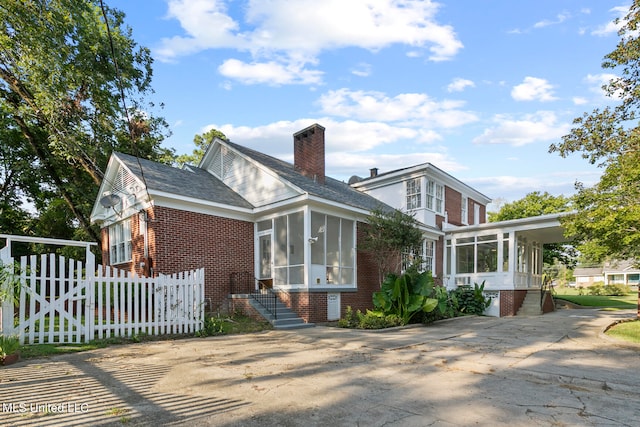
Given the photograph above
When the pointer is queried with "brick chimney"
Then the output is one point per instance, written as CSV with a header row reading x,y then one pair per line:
x,y
308,152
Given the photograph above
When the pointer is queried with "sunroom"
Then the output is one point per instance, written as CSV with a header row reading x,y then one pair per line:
x,y
307,249
505,255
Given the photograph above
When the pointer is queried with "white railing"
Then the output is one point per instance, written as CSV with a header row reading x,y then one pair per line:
x,y
64,301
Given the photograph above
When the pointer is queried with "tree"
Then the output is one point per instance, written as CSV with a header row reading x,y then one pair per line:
x,y
387,236
72,86
607,219
534,204
201,141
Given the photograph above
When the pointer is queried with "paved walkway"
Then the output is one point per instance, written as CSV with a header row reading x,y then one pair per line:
x,y
556,370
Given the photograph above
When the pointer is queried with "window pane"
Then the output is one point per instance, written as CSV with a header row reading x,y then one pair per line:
x,y
317,230
333,275
333,240
296,275
463,240
296,238
487,238
280,276
280,236
505,255
346,243
346,276
487,257
464,259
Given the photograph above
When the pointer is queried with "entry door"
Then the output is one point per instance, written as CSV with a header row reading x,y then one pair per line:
x,y
266,262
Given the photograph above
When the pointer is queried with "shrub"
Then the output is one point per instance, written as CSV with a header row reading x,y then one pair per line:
x,y
471,300
617,290
212,326
8,345
600,289
368,320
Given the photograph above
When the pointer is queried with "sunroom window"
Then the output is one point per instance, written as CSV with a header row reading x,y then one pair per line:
x,y
334,248
288,256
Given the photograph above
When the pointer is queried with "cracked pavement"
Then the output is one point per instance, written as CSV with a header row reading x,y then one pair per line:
x,y
557,370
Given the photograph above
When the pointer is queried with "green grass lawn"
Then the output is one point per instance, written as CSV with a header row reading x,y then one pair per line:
x,y
628,331
629,301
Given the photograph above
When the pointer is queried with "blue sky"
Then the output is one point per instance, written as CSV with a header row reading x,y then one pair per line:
x,y
478,88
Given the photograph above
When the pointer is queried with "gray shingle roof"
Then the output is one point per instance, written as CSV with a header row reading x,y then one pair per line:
x,y
192,182
332,190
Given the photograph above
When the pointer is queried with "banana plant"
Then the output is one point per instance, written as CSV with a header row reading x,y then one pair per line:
x,y
406,295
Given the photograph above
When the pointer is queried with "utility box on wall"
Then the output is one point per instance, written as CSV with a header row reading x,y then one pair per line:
x,y
333,306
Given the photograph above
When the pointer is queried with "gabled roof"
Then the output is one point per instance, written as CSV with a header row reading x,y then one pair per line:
x,y
402,173
587,271
188,182
332,190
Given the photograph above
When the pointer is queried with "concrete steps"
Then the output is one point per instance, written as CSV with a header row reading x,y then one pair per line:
x,y
286,318
531,304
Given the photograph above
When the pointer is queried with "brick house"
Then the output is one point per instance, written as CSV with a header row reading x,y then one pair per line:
x,y
250,219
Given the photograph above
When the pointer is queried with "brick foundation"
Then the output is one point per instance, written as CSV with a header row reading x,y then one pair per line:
x,y
510,302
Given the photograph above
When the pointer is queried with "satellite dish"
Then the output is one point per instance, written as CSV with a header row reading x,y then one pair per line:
x,y
109,200
354,179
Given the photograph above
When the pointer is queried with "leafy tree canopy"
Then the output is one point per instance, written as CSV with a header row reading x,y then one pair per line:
x,y
71,92
201,141
389,234
534,204
608,214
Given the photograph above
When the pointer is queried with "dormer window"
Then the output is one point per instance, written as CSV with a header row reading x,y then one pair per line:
x,y
414,194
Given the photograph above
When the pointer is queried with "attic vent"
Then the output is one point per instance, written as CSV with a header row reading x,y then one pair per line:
x,y
222,162
124,181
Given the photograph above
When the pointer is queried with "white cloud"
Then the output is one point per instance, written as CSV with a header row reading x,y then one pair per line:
x,y
459,84
560,18
508,188
533,88
415,109
363,70
271,73
579,100
611,27
296,32
541,126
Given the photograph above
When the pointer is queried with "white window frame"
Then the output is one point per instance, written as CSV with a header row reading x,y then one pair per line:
x,y
430,194
464,217
413,193
120,242
439,198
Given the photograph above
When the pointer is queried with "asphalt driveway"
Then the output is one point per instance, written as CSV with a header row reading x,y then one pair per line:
x,y
557,369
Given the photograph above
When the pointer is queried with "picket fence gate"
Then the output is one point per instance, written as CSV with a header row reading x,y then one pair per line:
x,y
64,301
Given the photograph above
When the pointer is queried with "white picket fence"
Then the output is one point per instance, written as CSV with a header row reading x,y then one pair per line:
x,y
64,301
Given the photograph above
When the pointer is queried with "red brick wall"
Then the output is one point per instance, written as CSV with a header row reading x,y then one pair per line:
x,y
181,240
510,302
452,204
368,280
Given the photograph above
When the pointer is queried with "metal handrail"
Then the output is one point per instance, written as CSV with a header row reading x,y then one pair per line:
x,y
246,283
267,298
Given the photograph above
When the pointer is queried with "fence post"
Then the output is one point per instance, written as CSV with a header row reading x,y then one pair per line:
x,y
6,306
90,298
